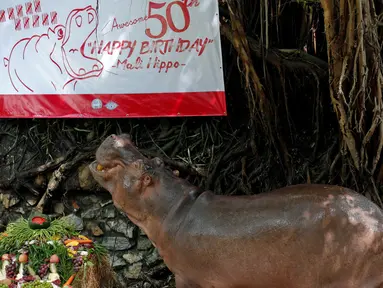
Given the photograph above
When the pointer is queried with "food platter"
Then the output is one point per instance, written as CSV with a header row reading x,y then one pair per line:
x,y
40,253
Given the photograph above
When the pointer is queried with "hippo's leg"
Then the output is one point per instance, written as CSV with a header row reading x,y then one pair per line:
x,y
182,283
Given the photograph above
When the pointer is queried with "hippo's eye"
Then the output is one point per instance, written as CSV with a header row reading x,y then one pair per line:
x,y
79,20
60,34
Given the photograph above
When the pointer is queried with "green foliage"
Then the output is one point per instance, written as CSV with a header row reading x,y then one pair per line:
x,y
36,284
41,244
38,253
19,232
99,251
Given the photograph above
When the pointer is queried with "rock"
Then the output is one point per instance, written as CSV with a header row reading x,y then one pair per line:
x,y
121,279
31,201
20,210
142,233
133,257
153,258
108,212
117,262
117,243
91,213
133,271
59,208
12,217
95,229
90,136
144,243
158,272
40,180
76,221
106,203
9,200
53,216
90,200
121,226
105,227
135,284
85,178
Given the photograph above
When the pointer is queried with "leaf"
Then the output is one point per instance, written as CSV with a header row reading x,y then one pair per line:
x,y
89,263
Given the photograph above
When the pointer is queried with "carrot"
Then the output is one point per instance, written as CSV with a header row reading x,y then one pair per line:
x,y
70,280
79,241
82,237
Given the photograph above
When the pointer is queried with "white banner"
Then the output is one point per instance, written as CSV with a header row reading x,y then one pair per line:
x,y
109,47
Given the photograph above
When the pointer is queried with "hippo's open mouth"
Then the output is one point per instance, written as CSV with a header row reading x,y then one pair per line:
x,y
105,167
96,166
115,152
80,23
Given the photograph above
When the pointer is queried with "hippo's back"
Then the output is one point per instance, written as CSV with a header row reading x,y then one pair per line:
x,y
296,207
331,232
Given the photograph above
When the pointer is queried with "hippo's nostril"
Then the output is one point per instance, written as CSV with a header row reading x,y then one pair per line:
x,y
90,17
79,20
60,34
114,137
117,140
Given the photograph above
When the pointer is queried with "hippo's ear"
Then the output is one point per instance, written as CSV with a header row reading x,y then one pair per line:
x,y
158,162
146,180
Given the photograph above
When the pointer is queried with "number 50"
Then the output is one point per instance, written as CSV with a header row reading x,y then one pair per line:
x,y
168,21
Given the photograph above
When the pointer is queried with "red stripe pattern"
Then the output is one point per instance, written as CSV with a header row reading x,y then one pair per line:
x,y
17,24
19,9
2,16
26,22
54,17
45,19
28,8
129,105
11,13
37,6
35,21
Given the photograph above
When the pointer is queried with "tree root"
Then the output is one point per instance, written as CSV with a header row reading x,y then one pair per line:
x,y
355,78
59,176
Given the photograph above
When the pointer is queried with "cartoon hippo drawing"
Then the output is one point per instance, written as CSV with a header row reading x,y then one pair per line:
x,y
52,61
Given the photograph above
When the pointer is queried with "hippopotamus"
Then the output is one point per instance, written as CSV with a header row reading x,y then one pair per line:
x,y
301,236
53,60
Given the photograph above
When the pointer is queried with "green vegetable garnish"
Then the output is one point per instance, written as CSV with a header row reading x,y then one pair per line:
x,y
36,284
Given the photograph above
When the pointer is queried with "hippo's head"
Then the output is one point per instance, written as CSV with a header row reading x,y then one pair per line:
x,y
129,176
79,27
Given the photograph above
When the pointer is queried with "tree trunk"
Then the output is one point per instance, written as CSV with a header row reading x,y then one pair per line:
x,y
355,79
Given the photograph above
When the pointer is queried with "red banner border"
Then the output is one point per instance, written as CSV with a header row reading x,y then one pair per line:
x,y
151,105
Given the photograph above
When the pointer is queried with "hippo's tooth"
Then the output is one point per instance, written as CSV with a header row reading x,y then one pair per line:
x,y
90,17
95,67
81,71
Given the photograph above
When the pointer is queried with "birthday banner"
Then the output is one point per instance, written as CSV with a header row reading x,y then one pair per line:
x,y
110,58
